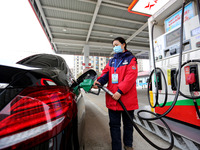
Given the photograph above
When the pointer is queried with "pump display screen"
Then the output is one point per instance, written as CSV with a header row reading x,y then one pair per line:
x,y
173,37
195,31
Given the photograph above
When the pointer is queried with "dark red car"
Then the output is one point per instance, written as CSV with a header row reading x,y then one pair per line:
x,y
38,109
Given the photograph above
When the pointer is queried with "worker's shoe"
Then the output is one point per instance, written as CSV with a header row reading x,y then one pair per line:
x,y
128,148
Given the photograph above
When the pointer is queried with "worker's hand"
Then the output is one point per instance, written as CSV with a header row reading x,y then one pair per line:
x,y
94,84
116,96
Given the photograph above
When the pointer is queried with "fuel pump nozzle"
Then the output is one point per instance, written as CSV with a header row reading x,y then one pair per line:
x,y
191,80
85,81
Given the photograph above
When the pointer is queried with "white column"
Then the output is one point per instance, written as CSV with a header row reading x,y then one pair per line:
x,y
86,50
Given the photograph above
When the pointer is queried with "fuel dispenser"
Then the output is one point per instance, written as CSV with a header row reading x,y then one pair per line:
x,y
165,53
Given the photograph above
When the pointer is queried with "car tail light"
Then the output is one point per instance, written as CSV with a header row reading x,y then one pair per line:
x,y
37,114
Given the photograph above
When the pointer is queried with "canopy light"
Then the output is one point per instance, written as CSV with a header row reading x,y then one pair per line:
x,y
146,7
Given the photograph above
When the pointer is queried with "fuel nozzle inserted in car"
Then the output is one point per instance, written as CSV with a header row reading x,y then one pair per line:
x,y
85,81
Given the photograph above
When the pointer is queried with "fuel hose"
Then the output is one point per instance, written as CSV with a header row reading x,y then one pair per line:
x,y
179,74
181,93
175,98
136,127
192,94
198,9
157,116
157,93
154,72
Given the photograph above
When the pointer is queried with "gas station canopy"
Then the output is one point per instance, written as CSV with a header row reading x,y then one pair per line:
x,y
71,24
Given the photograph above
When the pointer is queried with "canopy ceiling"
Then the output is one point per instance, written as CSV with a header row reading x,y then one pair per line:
x,y
71,24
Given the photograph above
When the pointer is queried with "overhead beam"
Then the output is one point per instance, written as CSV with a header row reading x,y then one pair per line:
x,y
96,53
116,3
108,34
45,21
137,32
68,28
93,19
80,53
68,20
87,23
117,27
120,19
102,38
69,35
95,44
94,31
108,5
88,1
67,10
115,6
90,14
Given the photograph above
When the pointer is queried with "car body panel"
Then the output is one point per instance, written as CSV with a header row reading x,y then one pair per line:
x,y
38,73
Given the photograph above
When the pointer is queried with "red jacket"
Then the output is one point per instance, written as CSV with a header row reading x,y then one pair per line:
x,y
127,74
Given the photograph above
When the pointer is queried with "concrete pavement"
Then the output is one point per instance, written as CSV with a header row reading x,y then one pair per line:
x,y
97,134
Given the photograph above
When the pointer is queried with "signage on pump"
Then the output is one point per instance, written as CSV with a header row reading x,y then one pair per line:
x,y
174,21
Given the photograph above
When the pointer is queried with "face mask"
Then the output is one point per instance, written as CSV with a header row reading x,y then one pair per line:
x,y
118,49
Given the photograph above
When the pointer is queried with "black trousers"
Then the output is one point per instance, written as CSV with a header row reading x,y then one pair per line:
x,y
115,129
